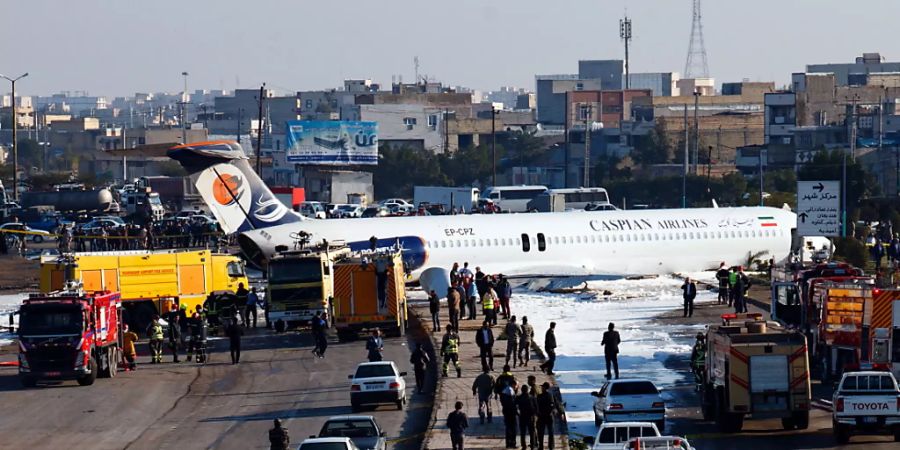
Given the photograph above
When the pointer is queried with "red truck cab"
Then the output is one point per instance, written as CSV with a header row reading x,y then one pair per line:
x,y
69,336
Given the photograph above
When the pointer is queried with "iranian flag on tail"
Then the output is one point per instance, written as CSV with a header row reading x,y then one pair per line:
x,y
767,221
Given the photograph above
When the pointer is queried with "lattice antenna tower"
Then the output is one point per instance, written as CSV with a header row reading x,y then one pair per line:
x,y
697,65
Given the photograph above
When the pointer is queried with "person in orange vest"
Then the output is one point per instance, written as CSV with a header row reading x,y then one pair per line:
x,y
128,351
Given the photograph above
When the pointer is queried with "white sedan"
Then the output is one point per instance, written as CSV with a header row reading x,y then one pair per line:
x,y
331,443
377,382
629,400
20,229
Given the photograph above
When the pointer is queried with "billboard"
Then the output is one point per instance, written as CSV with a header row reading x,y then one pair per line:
x,y
333,143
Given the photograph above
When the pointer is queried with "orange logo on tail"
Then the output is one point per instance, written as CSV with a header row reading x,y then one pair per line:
x,y
227,189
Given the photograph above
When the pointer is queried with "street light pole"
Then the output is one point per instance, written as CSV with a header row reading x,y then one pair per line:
x,y
493,146
15,123
184,100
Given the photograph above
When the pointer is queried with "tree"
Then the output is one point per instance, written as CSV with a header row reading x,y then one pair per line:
x,y
653,149
171,169
30,153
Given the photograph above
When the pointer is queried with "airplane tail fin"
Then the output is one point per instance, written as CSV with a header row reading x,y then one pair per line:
x,y
234,193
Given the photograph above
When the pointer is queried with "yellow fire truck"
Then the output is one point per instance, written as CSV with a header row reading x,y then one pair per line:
x,y
301,284
150,281
757,371
370,292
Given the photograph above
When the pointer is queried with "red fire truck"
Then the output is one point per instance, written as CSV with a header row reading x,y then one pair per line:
x,y
69,335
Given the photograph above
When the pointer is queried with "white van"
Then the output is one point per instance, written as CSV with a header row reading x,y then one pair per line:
x,y
513,198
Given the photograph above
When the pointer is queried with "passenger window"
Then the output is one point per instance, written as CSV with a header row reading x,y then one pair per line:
x,y
481,242
443,244
542,243
496,243
526,243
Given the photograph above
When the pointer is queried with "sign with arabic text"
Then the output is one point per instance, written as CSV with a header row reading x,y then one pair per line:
x,y
819,208
332,143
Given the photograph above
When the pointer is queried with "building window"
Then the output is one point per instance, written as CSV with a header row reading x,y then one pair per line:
x,y
432,120
309,104
579,86
409,121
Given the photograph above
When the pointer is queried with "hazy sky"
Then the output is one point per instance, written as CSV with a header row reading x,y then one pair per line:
x,y
118,47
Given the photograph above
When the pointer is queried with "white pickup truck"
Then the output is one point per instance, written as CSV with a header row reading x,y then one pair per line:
x,y
866,403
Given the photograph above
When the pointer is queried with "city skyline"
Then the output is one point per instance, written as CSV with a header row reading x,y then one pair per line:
x,y
112,49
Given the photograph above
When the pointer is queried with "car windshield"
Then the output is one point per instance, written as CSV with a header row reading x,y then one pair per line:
x,y
374,371
324,446
346,207
357,428
38,320
633,388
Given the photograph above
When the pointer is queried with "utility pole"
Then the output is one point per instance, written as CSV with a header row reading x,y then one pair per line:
x,y
15,125
239,119
184,100
446,132
687,143
761,177
259,132
588,119
718,145
696,131
566,153
625,34
493,145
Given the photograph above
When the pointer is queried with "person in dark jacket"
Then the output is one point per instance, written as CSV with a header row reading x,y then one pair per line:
x,y
483,388
741,286
278,437
321,334
434,307
419,359
375,346
484,339
454,302
481,282
610,345
314,327
457,422
722,277
504,291
510,412
525,342
234,333
550,348
513,335
175,335
241,302
689,293
527,405
546,412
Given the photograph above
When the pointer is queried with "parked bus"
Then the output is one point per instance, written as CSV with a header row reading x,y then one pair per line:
x,y
513,198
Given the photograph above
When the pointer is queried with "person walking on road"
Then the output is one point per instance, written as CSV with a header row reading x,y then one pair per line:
x,y
510,412
525,342
698,360
546,412
128,352
375,346
471,296
321,334
434,307
175,335
419,360
241,302
527,405
722,277
453,302
250,310
450,351
155,333
504,291
610,345
732,281
279,439
484,339
483,388
741,286
457,422
314,326
487,306
689,293
550,349
234,332
513,335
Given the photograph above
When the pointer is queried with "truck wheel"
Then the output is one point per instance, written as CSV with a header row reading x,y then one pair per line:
x,y
88,379
735,423
706,405
37,239
897,436
841,433
28,382
112,361
801,420
788,423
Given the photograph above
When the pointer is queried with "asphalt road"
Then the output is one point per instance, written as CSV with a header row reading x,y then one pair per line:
x,y
219,405
685,419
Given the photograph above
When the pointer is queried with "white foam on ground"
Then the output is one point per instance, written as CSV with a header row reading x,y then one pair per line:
x,y
581,320
9,303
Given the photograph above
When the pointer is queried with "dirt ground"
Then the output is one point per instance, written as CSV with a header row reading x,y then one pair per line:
x,y
17,274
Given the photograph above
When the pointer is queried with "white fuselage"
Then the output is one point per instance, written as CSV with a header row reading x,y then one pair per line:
x,y
570,243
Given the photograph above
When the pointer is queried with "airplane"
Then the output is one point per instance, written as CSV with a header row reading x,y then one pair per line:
x,y
610,243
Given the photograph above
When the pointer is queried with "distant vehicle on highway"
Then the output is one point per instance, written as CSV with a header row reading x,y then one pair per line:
x,y
32,234
333,443
377,383
629,400
611,435
363,431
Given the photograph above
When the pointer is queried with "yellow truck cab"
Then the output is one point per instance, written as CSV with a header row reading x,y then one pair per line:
x,y
151,282
300,283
